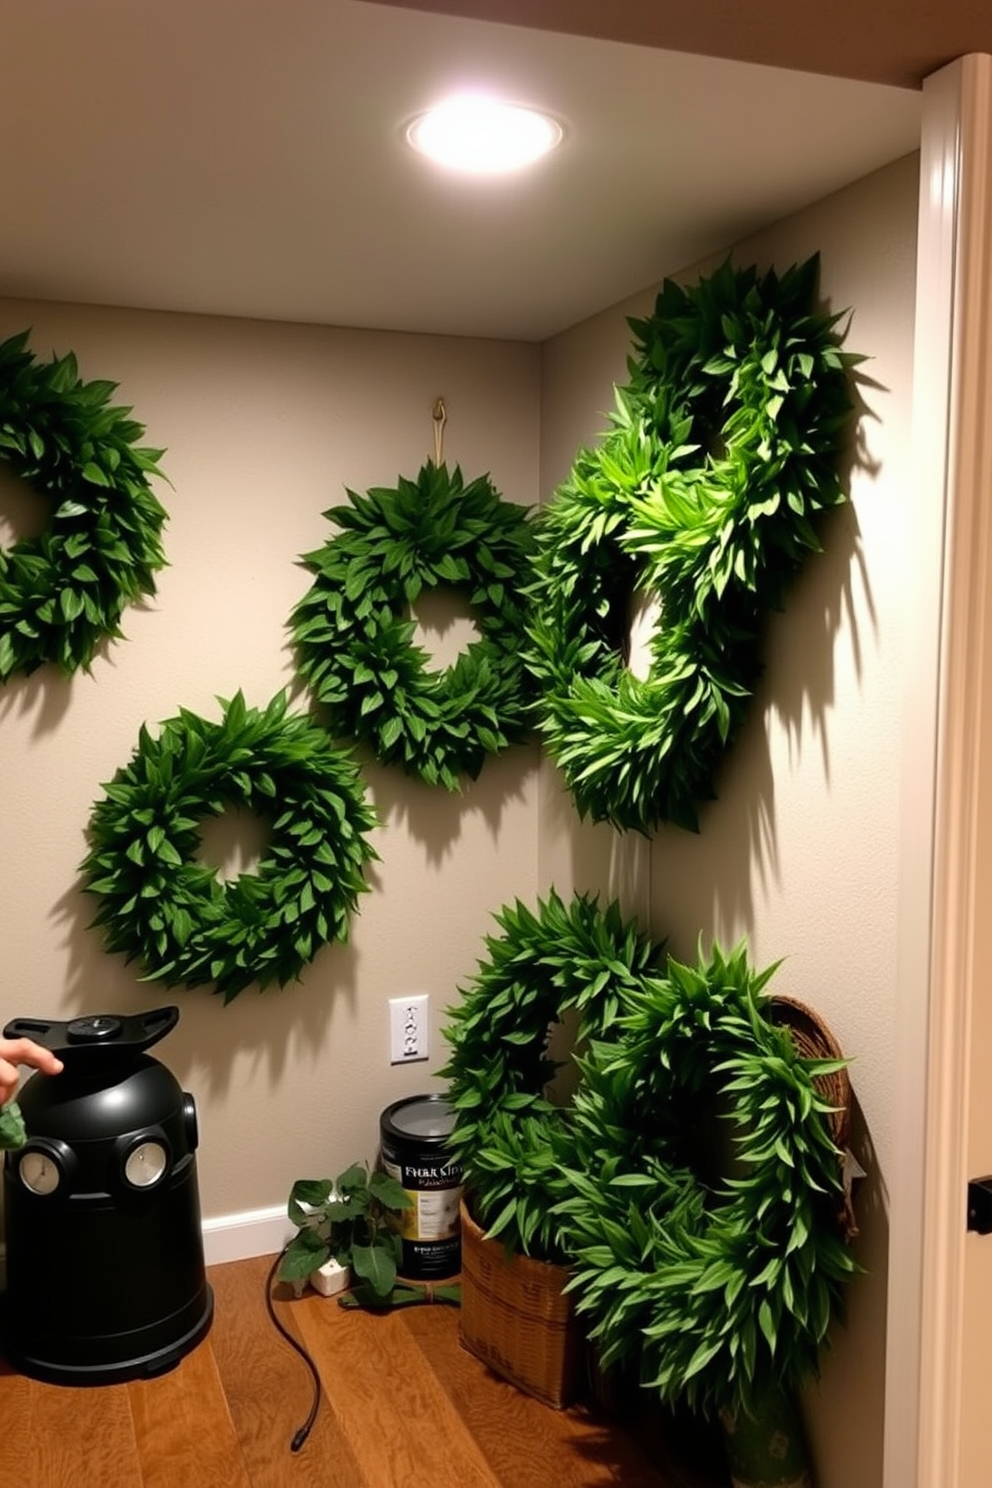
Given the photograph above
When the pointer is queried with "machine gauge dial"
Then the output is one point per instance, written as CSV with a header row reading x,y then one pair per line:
x,y
146,1164
40,1170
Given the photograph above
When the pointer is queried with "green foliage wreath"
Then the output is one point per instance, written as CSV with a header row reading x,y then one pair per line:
x,y
354,635
723,449
715,1272
509,1138
161,907
63,592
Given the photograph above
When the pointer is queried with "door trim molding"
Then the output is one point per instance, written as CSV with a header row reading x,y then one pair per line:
x,y
953,465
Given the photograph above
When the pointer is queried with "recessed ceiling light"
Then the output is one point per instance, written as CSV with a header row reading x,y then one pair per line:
x,y
483,136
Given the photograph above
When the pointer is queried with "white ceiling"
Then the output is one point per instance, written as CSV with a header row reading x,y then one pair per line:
x,y
246,157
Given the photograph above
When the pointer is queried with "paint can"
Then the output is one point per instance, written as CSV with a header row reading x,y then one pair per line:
x,y
413,1135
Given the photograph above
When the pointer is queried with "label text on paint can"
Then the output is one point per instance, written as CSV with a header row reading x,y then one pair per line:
x,y
435,1192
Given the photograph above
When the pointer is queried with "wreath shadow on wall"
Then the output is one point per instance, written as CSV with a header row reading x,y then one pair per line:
x,y
437,819
433,816
96,980
46,696
737,846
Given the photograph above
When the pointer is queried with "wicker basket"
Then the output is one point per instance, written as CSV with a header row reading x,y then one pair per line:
x,y
515,1318
813,1040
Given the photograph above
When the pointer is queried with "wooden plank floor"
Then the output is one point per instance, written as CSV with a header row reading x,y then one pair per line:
x,y
404,1406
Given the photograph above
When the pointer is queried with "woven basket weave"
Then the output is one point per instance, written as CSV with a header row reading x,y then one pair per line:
x,y
515,1318
813,1040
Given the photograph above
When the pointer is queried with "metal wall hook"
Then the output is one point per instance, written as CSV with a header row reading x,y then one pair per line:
x,y
440,417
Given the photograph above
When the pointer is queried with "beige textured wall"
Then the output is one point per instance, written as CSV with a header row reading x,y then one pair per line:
x,y
800,851
264,427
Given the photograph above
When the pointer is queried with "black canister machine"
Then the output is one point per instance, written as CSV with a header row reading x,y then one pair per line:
x,y
105,1271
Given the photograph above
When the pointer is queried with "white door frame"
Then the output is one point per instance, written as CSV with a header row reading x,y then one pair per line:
x,y
941,914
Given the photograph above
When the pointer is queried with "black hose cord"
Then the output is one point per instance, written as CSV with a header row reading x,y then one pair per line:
x,y
300,1435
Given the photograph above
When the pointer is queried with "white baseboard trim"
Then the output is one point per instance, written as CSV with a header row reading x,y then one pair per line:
x,y
238,1237
229,1237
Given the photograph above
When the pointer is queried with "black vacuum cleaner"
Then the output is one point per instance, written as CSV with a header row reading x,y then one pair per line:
x,y
105,1272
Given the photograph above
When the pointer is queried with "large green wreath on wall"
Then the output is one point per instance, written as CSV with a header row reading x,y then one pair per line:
x,y
354,637
171,913
724,447
63,592
703,1190
566,958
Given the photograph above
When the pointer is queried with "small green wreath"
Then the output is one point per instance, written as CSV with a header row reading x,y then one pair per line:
x,y
507,1135
63,592
354,637
723,449
716,1273
172,914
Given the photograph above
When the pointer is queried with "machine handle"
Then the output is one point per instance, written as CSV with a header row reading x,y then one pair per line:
x,y
97,1037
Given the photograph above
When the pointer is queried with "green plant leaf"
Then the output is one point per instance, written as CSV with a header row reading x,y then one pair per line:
x,y
305,1254
388,1191
375,1265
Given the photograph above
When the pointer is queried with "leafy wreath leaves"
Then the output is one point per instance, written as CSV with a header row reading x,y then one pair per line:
x,y
722,450
161,907
354,637
64,591
507,1135
715,1284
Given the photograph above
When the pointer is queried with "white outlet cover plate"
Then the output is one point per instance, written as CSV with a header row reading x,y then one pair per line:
x,y
408,1030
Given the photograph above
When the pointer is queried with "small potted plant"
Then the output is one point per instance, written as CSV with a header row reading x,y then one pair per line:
x,y
349,1222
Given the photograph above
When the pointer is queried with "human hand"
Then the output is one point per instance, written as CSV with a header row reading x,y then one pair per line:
x,y
23,1051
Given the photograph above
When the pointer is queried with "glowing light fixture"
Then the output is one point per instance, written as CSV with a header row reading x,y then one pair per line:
x,y
482,136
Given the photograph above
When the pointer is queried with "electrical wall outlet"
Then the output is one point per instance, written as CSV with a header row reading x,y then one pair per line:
x,y
408,1039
